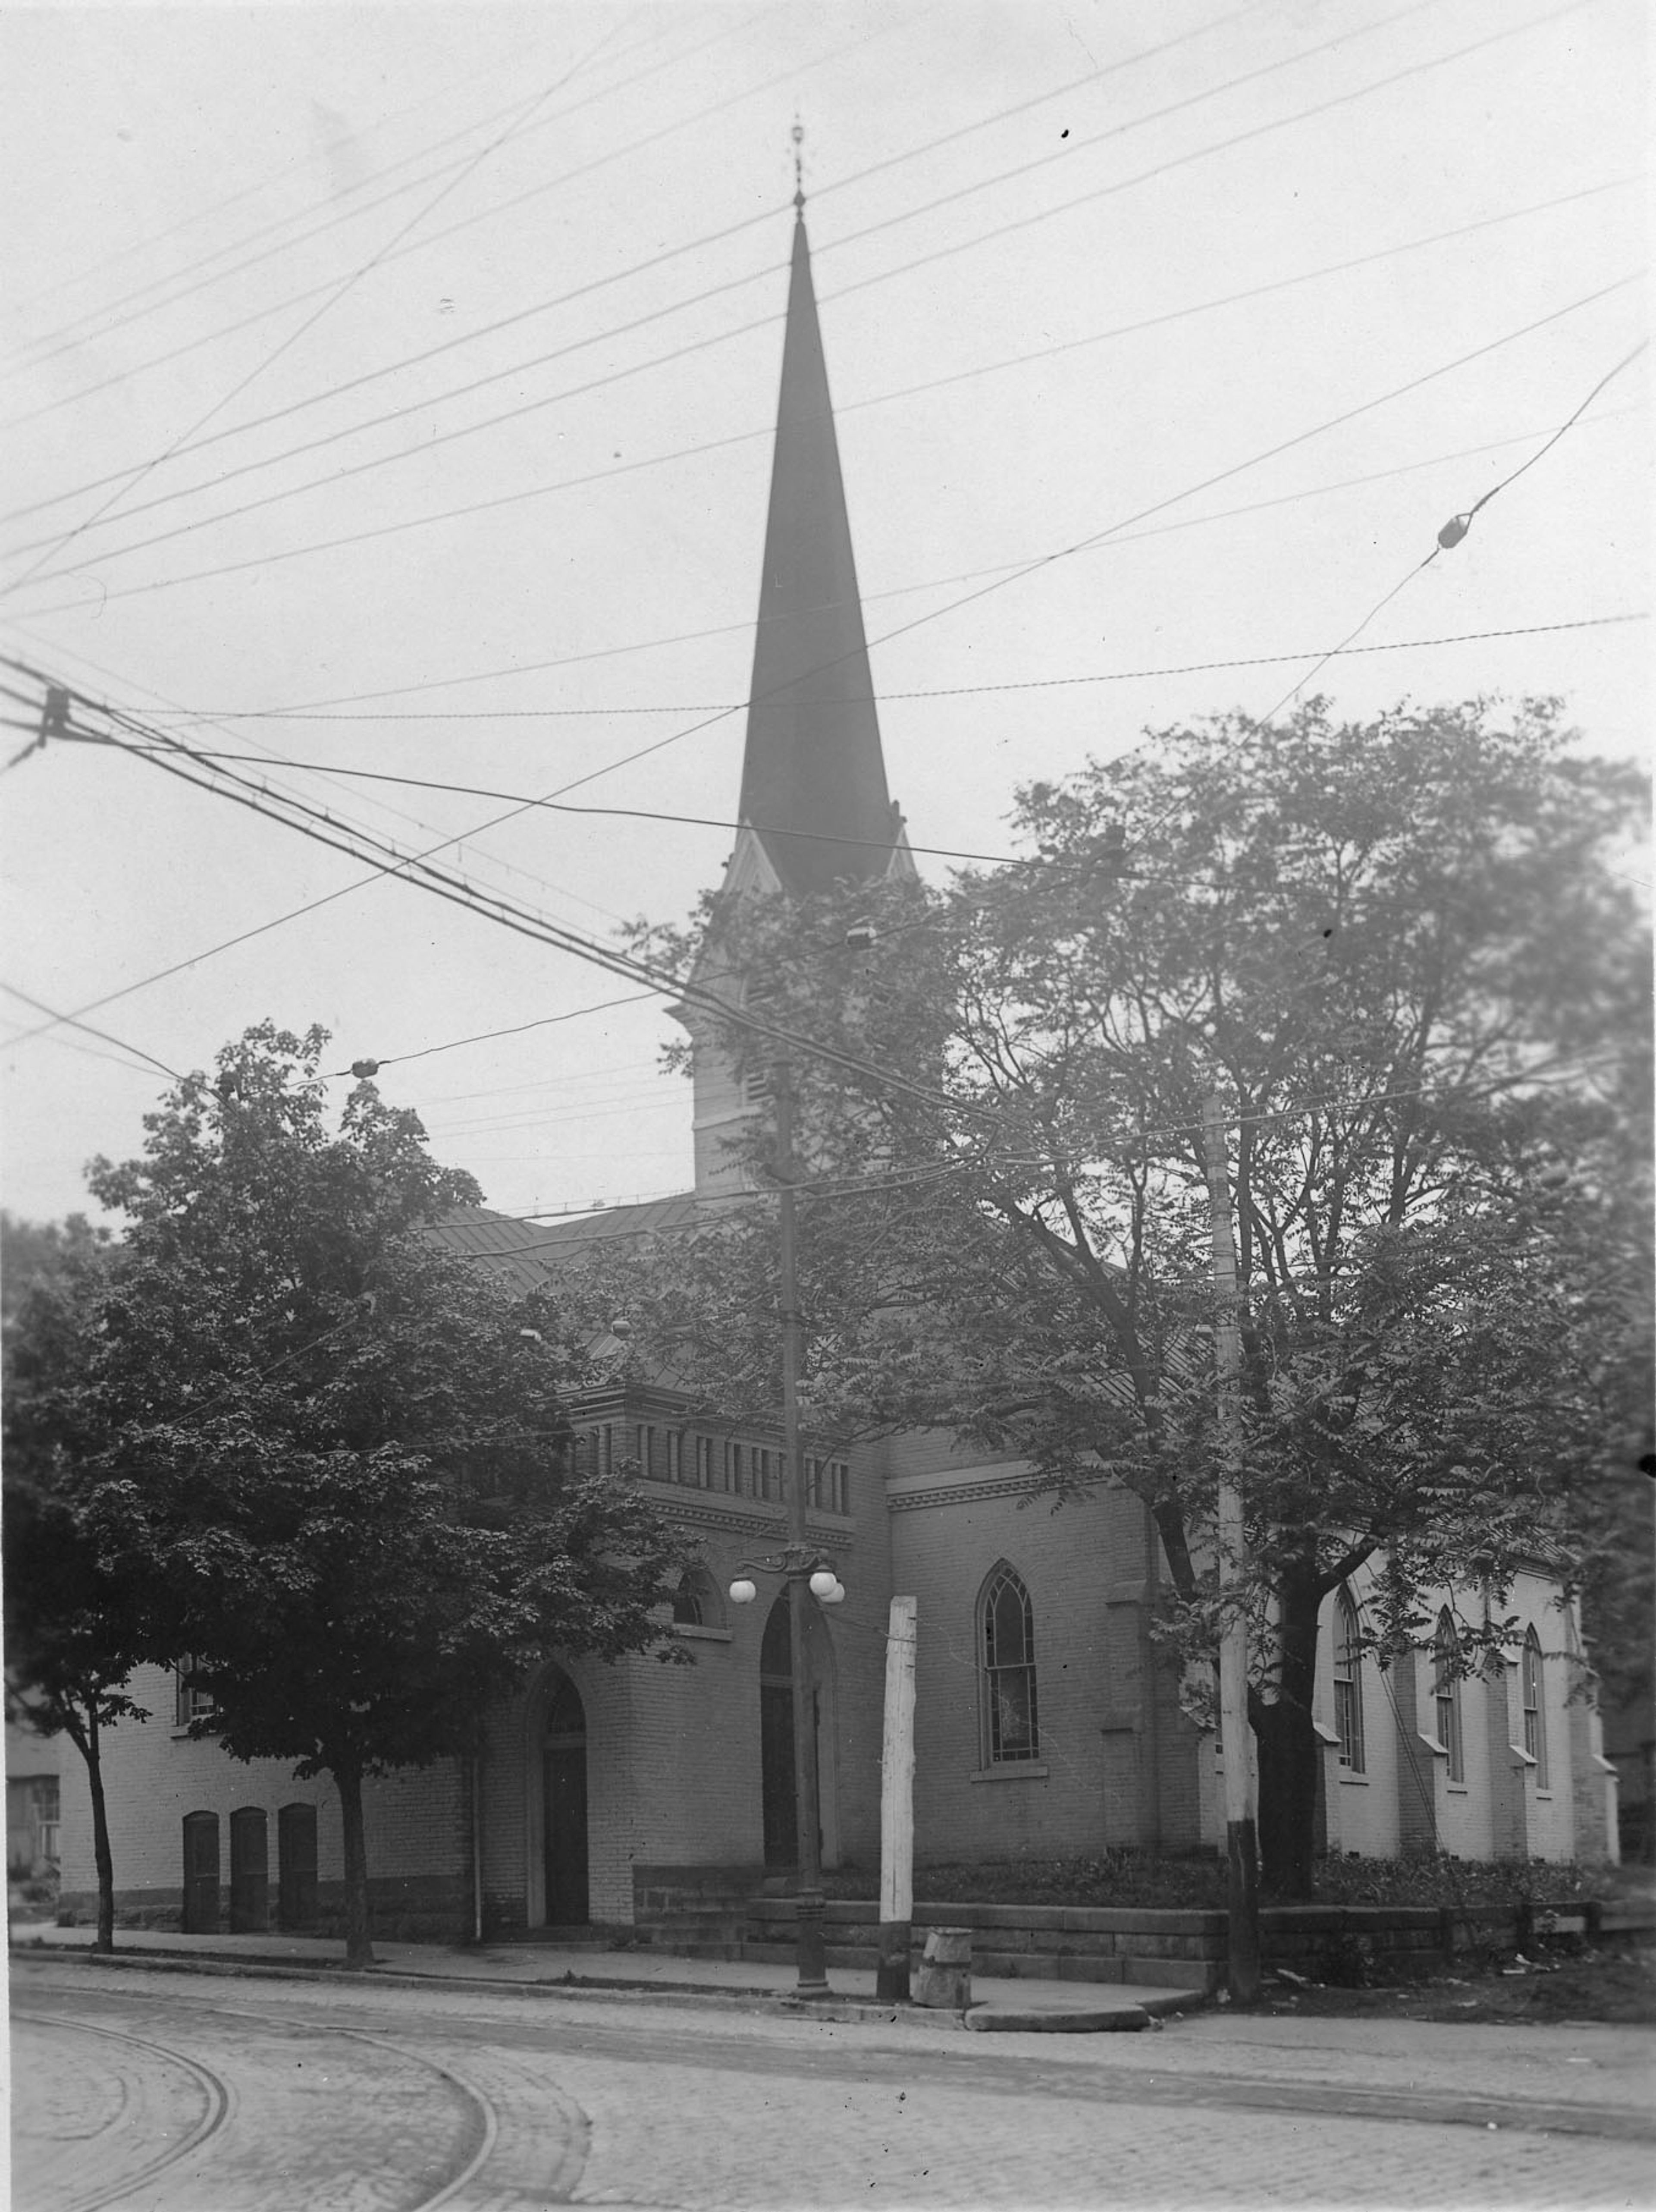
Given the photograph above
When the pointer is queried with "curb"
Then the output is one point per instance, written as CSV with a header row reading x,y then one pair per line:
x,y
683,1995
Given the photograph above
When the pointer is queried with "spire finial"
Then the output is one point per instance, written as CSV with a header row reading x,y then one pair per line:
x,y
798,134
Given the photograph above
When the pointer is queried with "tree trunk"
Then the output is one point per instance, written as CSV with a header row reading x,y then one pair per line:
x,y
359,1919
91,1752
1290,1750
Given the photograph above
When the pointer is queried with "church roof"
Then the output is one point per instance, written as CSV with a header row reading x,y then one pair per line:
x,y
814,779
524,1255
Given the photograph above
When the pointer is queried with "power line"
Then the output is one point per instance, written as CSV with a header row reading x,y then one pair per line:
x,y
509,499
727,707
1456,529
907,392
75,334
654,261
304,710
626,146
311,320
72,1022
1014,576
316,824
493,862
612,377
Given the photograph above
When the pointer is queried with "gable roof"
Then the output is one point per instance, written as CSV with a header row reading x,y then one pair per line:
x,y
525,1256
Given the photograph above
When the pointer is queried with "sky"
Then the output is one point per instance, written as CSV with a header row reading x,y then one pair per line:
x,y
392,389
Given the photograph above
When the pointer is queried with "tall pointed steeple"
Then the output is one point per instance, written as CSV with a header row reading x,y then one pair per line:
x,y
814,807
813,775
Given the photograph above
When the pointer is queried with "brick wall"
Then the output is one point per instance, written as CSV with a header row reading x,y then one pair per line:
x,y
1114,1765
674,1773
154,1775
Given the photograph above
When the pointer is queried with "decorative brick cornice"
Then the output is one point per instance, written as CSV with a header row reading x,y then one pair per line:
x,y
762,1528
962,1493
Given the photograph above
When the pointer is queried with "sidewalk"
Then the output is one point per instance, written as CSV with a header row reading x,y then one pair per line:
x,y
1040,2007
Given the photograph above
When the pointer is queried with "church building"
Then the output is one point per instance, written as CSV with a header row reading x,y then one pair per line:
x,y
619,1793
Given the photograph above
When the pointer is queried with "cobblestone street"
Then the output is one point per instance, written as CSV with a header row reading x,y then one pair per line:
x,y
174,2093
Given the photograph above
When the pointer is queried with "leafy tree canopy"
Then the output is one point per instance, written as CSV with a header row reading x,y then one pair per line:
x,y
1394,955
330,1457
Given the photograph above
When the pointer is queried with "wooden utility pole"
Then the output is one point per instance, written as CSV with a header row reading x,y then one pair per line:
x,y
809,1955
896,1807
1241,1841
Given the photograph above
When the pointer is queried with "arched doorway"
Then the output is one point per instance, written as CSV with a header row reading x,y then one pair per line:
x,y
564,1778
777,1768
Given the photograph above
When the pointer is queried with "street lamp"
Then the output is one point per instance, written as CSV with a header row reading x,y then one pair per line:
x,y
808,1573
806,1569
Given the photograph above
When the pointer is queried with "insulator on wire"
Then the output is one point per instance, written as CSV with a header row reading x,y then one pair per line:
x,y
363,1069
1453,531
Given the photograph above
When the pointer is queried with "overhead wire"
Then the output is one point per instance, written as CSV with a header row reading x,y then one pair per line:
x,y
932,691
287,171
793,1041
626,146
880,400
306,710
999,582
672,253
514,498
314,823
1455,530
73,1022
611,377
347,284
76,335
491,861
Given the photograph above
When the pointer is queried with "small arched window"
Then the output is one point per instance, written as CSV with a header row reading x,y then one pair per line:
x,y
1011,1723
1533,1679
696,1602
1348,1682
1447,1692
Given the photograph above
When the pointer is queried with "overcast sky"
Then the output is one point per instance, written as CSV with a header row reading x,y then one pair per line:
x,y
493,295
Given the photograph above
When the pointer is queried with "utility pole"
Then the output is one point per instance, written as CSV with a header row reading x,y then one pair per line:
x,y
896,1807
1241,1842
810,1961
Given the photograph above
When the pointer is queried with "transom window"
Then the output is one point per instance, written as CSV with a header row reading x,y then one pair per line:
x,y
1011,1717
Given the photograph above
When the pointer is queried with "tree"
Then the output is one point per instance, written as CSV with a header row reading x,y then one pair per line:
x,y
39,1251
332,1457
72,1632
1395,955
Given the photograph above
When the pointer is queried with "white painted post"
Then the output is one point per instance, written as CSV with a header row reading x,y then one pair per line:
x,y
897,1805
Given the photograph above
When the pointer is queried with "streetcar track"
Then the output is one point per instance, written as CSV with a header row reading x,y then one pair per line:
x,y
221,2101
1011,2074
485,2132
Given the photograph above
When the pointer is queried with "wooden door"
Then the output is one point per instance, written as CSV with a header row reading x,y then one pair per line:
x,y
564,1769
201,1874
250,1872
295,1854
776,1765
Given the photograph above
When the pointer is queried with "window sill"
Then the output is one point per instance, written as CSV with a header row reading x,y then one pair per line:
x,y
1458,1788
1353,1782
1013,1770
183,1736
698,1633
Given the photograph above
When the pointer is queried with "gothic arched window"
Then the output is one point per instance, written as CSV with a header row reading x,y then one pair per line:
x,y
1006,1646
1533,1680
1447,1692
1348,1682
